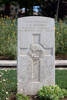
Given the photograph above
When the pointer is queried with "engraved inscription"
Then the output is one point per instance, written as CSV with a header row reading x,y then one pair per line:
x,y
36,52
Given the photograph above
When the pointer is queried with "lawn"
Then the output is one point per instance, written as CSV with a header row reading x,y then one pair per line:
x,y
61,78
8,82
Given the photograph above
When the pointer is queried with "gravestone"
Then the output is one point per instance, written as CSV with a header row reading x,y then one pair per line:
x,y
36,54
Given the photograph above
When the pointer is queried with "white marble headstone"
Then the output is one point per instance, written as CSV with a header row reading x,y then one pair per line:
x,y
36,54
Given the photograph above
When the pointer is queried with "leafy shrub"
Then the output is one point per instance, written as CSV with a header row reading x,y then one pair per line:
x,y
64,92
22,97
51,93
8,39
61,37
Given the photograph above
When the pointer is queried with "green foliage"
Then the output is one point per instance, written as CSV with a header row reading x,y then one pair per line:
x,y
64,92
8,40
61,37
61,78
22,97
51,93
6,1
8,83
8,37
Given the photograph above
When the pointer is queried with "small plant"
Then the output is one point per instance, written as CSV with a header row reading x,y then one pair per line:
x,y
64,92
22,97
51,93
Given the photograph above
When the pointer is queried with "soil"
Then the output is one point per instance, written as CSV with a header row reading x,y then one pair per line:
x,y
6,58
12,97
64,99
61,57
31,98
36,98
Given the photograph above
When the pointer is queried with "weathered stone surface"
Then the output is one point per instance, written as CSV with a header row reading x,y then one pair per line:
x,y
36,54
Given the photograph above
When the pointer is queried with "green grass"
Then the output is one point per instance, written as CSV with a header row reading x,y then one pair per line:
x,y
61,78
8,82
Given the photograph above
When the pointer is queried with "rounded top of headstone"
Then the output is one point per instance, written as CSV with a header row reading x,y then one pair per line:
x,y
38,18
